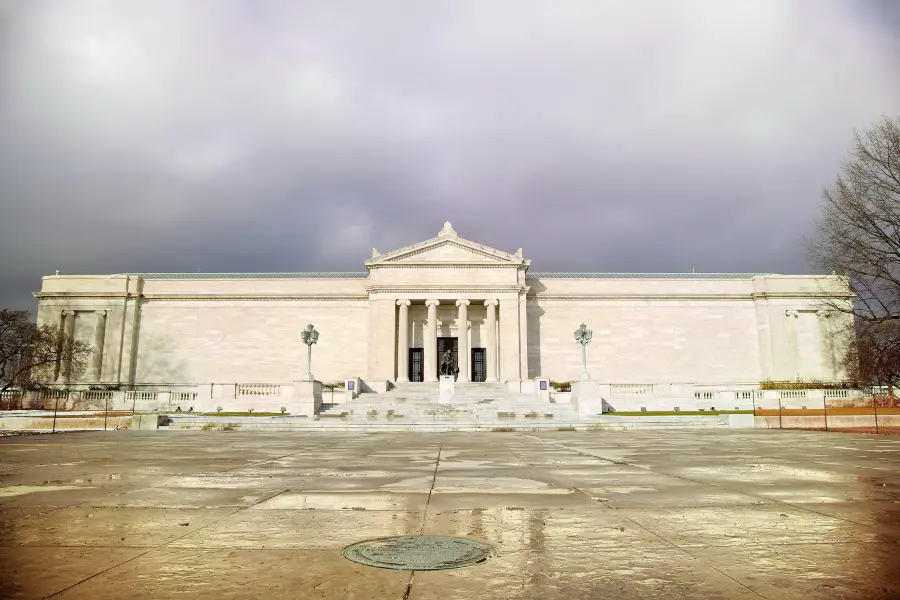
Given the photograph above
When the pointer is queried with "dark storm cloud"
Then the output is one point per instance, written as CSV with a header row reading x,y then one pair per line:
x,y
269,136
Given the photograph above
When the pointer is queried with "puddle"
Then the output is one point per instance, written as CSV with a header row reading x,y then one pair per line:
x,y
21,490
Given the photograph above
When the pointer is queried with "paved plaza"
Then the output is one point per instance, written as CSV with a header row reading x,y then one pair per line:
x,y
645,514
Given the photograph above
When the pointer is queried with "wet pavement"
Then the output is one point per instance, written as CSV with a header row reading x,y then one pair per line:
x,y
643,514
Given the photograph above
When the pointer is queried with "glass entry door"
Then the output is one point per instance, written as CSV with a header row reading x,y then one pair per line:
x,y
416,362
479,372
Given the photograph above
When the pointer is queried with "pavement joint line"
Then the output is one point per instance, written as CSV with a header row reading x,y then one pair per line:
x,y
149,550
437,465
673,545
712,485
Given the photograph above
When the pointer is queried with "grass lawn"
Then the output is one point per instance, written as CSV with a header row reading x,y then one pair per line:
x,y
676,413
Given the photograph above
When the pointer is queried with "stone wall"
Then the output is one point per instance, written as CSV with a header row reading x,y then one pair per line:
x,y
648,330
249,342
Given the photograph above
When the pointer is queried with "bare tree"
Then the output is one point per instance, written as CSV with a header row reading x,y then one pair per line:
x,y
858,237
30,354
872,358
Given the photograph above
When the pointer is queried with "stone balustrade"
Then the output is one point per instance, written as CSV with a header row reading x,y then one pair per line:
x,y
620,390
257,389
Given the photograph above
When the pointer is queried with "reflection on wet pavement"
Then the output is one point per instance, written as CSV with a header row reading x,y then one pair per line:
x,y
657,514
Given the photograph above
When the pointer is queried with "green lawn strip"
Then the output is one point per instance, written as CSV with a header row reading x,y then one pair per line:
x,y
234,414
678,413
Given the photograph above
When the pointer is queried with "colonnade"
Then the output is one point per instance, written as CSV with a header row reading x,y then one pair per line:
x,y
430,342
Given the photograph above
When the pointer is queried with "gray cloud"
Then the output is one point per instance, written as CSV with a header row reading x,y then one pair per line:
x,y
267,136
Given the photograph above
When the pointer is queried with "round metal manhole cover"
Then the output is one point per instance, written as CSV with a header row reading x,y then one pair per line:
x,y
419,553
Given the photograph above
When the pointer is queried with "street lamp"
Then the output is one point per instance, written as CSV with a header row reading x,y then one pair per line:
x,y
309,336
583,337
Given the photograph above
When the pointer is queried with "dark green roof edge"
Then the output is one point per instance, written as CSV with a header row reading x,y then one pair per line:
x,y
363,275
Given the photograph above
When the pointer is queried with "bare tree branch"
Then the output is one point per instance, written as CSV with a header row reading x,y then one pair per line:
x,y
30,353
858,237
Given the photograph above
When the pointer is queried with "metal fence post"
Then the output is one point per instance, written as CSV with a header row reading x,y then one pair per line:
x,y
105,411
55,406
825,408
875,408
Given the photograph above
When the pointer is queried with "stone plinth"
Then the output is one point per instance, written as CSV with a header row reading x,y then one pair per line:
x,y
351,388
586,398
307,398
542,388
448,389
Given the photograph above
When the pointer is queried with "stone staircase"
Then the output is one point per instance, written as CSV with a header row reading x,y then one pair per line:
x,y
475,406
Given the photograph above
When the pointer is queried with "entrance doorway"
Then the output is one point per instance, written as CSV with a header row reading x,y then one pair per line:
x,y
479,370
416,362
444,344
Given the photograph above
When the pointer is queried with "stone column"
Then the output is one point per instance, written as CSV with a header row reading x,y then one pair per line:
x,y
68,330
99,338
462,332
491,341
403,341
431,341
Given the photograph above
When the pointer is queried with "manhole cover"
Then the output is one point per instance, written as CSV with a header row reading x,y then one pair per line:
x,y
419,553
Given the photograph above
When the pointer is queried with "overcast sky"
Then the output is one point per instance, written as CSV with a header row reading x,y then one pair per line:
x,y
248,135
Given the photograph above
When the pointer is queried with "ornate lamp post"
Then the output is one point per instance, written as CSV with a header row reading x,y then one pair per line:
x,y
309,336
583,337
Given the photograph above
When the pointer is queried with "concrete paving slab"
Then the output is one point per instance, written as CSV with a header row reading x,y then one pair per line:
x,y
770,525
637,514
126,527
31,573
301,529
241,574
682,496
345,501
652,573
511,500
811,571
183,497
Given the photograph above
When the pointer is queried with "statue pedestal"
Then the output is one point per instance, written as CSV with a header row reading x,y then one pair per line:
x,y
448,386
586,398
307,398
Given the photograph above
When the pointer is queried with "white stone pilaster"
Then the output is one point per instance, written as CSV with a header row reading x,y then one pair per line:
x,y
523,338
430,357
68,331
509,341
491,340
793,350
403,341
99,339
462,324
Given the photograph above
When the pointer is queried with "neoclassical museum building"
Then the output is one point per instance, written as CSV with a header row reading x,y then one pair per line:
x,y
502,321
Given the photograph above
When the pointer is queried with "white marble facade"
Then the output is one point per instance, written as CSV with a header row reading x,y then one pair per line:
x,y
161,330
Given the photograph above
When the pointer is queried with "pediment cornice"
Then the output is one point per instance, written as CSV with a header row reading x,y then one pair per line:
x,y
482,256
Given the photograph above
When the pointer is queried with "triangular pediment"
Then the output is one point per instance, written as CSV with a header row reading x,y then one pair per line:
x,y
447,248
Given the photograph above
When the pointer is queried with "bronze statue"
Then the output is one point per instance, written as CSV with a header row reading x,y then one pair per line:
x,y
447,363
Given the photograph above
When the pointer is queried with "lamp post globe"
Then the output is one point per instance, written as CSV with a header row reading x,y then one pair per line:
x,y
583,337
310,336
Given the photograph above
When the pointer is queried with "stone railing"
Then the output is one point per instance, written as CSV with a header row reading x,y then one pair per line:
x,y
631,390
141,396
256,389
182,397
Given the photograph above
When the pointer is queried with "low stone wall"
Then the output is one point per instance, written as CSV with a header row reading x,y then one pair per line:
x,y
43,421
